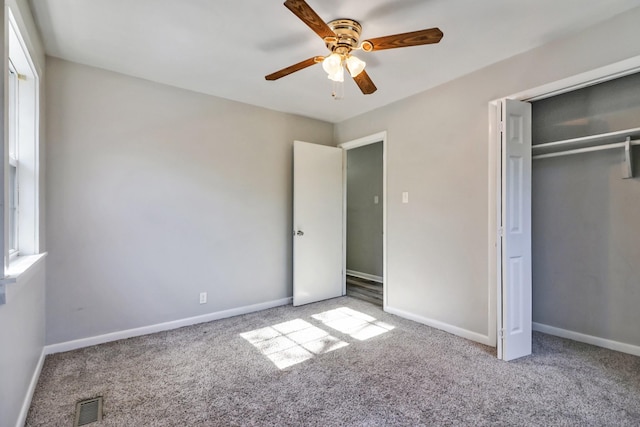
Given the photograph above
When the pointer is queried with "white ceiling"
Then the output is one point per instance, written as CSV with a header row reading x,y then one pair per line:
x,y
225,48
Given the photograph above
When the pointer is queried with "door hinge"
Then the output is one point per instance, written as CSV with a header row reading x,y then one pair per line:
x,y
501,231
501,333
501,126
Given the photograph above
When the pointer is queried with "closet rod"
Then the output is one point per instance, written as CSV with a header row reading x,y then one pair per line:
x,y
585,150
590,138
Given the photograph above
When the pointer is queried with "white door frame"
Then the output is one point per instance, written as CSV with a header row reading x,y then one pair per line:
x,y
589,78
349,145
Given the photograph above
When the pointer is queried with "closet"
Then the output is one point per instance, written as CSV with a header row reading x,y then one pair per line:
x,y
586,211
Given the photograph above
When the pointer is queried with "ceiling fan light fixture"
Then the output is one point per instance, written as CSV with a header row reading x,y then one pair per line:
x,y
338,76
355,65
332,63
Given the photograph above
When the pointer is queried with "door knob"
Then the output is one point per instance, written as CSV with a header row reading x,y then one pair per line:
x,y
300,233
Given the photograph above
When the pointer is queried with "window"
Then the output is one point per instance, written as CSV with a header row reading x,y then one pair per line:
x,y
12,113
21,151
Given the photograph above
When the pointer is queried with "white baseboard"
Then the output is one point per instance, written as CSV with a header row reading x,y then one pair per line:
x,y
455,330
166,326
26,404
365,276
588,339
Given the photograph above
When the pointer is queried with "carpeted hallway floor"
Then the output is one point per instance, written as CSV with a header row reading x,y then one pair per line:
x,y
341,362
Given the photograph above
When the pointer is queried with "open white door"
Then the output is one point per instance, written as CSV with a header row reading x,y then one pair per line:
x,y
317,221
516,230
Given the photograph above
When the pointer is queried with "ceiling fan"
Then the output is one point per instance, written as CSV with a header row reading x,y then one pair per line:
x,y
342,36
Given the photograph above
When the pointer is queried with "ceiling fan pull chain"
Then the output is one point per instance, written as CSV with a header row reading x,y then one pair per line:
x,y
337,91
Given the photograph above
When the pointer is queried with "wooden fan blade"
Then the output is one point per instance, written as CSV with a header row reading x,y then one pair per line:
x,y
414,38
302,10
295,67
365,83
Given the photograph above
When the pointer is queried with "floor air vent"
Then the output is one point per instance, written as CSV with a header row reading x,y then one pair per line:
x,y
88,411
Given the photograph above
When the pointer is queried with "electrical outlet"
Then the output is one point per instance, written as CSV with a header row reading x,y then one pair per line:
x,y
203,297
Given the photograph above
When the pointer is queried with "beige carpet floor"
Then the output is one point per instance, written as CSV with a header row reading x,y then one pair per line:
x,y
341,362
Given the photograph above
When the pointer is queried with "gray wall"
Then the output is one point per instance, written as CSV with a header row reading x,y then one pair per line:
x,y
586,233
605,107
364,217
22,318
22,335
438,244
157,194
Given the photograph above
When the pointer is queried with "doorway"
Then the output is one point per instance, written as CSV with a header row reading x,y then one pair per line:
x,y
364,218
364,223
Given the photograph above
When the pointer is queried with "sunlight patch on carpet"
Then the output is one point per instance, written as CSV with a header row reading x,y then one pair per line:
x,y
292,342
353,323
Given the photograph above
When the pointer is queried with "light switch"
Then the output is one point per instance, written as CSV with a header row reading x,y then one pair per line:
x,y
375,200
405,197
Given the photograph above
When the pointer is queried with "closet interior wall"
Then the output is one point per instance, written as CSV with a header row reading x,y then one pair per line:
x,y
586,218
365,209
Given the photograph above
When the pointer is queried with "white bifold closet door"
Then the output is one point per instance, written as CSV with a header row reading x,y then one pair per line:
x,y
516,230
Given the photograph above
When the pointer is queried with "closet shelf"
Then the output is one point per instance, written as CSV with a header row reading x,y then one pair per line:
x,y
583,144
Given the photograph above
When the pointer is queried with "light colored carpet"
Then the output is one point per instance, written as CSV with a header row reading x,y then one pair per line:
x,y
347,363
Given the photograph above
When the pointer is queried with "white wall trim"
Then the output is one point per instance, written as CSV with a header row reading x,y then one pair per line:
x,y
464,333
366,140
26,404
494,266
579,81
166,326
588,339
365,276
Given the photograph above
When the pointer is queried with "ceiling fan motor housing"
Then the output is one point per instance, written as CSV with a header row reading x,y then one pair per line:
x,y
347,35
